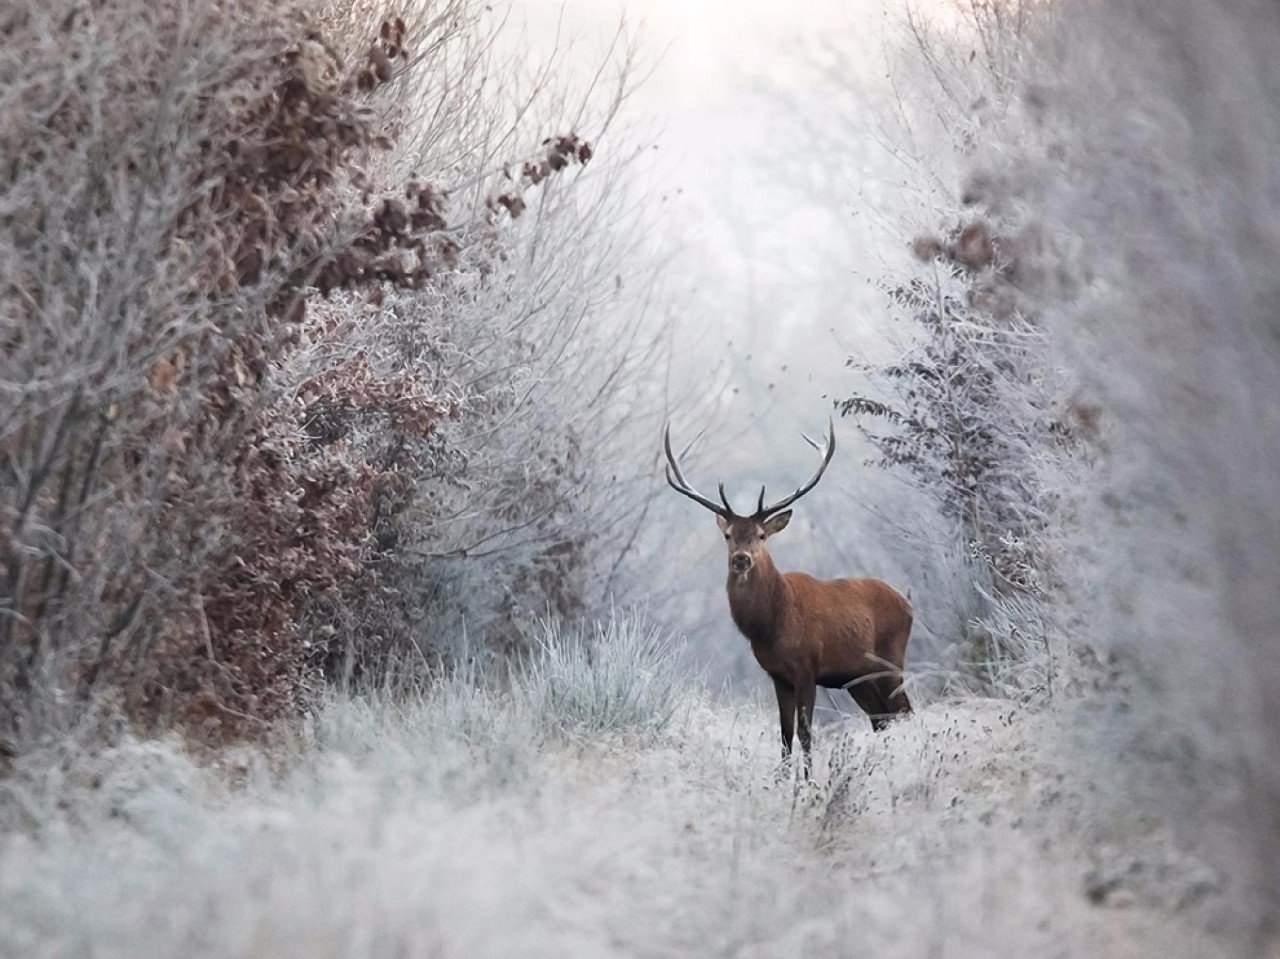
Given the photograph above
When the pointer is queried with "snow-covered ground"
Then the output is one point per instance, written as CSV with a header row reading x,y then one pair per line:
x,y
480,821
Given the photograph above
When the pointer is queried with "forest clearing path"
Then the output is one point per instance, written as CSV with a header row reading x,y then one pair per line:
x,y
965,830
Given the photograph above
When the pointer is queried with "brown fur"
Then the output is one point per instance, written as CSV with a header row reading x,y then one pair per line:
x,y
805,632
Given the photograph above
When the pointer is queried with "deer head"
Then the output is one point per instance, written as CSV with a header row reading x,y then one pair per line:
x,y
745,536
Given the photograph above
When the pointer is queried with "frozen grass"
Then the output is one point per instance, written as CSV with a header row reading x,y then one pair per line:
x,y
622,673
468,823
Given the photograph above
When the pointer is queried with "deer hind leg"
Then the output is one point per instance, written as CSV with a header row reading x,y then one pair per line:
x,y
894,702
879,697
786,714
898,695
895,692
867,696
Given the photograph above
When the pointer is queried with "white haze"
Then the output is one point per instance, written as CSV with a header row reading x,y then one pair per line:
x,y
612,802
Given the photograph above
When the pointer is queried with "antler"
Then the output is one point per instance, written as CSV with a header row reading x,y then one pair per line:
x,y
678,483
826,450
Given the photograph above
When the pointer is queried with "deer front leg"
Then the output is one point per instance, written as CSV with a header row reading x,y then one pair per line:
x,y
786,714
806,695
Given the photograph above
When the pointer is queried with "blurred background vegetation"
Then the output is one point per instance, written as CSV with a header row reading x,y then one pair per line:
x,y
336,339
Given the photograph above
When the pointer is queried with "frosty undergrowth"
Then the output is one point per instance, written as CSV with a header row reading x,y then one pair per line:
x,y
469,823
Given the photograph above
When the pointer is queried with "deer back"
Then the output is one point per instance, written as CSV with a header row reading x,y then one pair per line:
x,y
846,627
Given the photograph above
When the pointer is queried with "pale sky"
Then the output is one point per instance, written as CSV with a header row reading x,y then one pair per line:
x,y
780,269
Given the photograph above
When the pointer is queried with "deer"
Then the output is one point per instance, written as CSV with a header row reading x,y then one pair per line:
x,y
846,634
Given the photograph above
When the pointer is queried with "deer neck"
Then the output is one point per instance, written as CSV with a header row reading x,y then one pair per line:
x,y
757,601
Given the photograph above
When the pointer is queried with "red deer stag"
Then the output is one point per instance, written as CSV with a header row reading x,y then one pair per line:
x,y
804,632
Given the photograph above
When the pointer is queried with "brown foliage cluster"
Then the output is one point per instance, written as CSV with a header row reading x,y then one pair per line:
x,y
277,164
297,512
558,153
995,265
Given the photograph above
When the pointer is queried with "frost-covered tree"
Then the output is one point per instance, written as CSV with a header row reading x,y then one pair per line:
x,y
974,406
1156,180
1137,144
276,283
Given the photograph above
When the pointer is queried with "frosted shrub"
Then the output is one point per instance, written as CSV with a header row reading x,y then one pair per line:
x,y
978,408
213,219
1151,186
182,172
621,673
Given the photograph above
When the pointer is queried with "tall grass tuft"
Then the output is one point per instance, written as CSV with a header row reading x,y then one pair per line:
x,y
622,672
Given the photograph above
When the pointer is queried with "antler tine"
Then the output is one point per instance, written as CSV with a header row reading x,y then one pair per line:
x,y
827,450
676,480
724,499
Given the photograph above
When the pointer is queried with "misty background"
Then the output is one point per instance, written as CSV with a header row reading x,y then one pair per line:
x,y
344,609
772,250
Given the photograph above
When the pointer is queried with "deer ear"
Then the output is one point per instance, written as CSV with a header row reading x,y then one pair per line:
x,y
777,523
722,523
